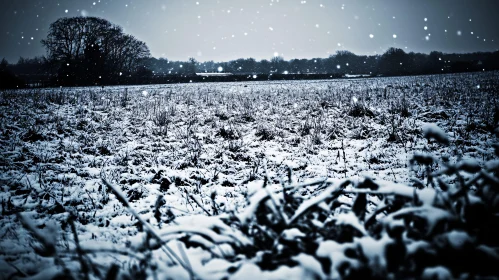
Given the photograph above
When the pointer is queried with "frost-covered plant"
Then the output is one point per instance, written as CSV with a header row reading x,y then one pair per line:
x,y
162,119
265,133
359,109
386,230
228,132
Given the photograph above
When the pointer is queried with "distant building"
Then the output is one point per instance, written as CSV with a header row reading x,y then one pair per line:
x,y
214,74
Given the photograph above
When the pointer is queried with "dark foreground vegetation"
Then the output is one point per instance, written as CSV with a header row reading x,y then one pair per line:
x,y
83,51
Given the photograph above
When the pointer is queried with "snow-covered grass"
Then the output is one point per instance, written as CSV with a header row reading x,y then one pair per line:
x,y
238,179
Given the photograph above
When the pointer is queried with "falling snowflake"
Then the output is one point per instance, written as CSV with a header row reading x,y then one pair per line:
x,y
459,33
371,36
276,54
220,69
394,36
426,28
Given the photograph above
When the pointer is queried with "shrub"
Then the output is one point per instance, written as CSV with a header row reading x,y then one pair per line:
x,y
360,110
228,133
265,133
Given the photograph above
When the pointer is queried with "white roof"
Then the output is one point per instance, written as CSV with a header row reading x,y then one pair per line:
x,y
214,74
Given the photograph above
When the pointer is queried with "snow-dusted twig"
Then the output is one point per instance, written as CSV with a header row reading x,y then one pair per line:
x,y
121,198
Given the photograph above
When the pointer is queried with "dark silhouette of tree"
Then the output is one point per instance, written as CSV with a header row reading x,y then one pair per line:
x,y
434,63
278,65
37,66
90,50
264,66
7,78
393,62
343,62
298,66
249,66
192,66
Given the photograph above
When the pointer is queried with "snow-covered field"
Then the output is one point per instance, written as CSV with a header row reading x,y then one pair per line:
x,y
182,154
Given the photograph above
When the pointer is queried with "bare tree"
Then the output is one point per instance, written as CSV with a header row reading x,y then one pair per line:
x,y
92,50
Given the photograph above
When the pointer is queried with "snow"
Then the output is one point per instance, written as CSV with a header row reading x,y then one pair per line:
x,y
351,220
71,163
335,252
438,272
431,130
310,265
292,234
374,249
458,239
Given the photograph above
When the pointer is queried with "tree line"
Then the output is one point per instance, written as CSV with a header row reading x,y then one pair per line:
x,y
393,62
85,51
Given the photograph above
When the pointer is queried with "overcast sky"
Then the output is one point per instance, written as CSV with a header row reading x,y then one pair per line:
x,y
222,30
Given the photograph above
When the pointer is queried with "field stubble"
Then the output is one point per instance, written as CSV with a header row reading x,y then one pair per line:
x,y
179,151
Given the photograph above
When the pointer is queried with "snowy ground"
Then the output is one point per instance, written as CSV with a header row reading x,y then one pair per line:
x,y
199,143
